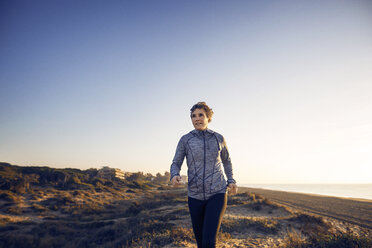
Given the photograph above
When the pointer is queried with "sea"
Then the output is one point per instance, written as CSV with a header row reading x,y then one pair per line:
x,y
361,191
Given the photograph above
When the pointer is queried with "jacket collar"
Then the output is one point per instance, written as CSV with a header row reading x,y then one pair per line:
x,y
204,132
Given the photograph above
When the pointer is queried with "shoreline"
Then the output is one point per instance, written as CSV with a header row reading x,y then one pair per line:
x,y
318,189
352,210
311,194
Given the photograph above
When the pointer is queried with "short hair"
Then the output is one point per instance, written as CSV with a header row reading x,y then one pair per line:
x,y
205,107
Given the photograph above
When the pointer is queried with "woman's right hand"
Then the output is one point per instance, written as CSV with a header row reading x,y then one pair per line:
x,y
176,180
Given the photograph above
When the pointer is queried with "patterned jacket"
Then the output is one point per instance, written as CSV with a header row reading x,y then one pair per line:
x,y
206,153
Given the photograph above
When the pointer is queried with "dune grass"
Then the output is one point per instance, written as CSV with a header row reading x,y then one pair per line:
x,y
73,208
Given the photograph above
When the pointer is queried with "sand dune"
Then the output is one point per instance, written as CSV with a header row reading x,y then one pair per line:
x,y
354,211
45,207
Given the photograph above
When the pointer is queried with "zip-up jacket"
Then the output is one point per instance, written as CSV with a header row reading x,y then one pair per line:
x,y
206,152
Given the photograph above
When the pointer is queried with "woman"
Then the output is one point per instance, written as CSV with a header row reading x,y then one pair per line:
x,y
205,152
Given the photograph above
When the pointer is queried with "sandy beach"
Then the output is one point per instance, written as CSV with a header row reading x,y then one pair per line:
x,y
354,211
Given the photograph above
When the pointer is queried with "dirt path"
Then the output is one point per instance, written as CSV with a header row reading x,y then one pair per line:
x,y
354,211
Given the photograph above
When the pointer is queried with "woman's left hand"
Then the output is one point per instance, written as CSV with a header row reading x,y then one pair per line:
x,y
233,189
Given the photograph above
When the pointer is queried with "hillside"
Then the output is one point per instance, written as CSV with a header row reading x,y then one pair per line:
x,y
46,207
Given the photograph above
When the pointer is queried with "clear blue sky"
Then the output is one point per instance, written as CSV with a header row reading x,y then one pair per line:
x,y
91,83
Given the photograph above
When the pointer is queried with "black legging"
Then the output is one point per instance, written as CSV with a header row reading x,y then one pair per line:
x,y
206,217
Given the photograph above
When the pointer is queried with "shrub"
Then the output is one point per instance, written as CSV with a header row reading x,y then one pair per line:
x,y
339,240
164,187
235,201
8,196
53,241
244,194
307,218
325,239
14,210
294,239
57,202
256,206
38,208
175,236
138,185
134,209
239,225
15,240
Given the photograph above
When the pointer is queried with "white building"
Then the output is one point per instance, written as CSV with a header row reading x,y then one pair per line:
x,y
111,173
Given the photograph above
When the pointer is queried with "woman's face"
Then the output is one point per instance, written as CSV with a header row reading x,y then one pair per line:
x,y
199,119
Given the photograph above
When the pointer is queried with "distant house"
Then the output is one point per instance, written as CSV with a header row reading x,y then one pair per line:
x,y
111,173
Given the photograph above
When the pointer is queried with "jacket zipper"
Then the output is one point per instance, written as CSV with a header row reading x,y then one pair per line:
x,y
204,168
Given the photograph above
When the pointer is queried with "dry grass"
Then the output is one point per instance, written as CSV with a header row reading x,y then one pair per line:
x,y
92,212
294,238
153,220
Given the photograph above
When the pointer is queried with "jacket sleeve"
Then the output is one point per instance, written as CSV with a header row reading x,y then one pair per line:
x,y
178,159
226,161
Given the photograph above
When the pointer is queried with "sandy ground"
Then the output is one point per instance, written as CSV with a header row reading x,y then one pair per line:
x,y
335,209
354,211
246,237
